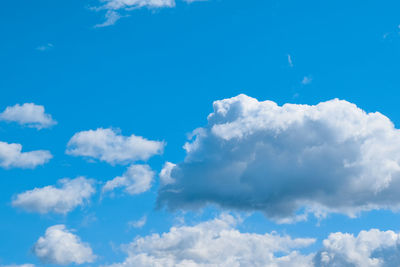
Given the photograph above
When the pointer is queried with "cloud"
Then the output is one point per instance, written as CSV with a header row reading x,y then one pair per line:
x,y
215,243
63,199
139,223
165,174
115,7
60,246
306,80
19,265
109,146
45,47
28,114
137,179
369,249
290,61
11,156
330,157
111,18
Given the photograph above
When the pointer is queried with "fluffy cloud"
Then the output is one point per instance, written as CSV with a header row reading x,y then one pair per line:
x,y
215,243
11,156
165,174
218,243
69,195
28,114
60,246
369,249
137,179
330,157
109,146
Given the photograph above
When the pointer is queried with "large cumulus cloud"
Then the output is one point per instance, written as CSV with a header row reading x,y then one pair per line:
x,y
254,155
215,243
218,242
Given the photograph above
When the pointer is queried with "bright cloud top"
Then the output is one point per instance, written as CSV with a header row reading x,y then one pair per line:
x,y
28,114
215,243
60,246
109,146
11,156
137,179
62,199
218,243
260,156
369,249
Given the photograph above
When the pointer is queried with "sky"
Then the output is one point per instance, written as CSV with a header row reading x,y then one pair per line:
x,y
199,133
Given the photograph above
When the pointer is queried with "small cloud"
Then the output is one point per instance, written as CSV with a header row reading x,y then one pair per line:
x,y
60,246
11,156
45,47
62,199
290,61
28,114
111,18
110,146
136,180
306,80
139,223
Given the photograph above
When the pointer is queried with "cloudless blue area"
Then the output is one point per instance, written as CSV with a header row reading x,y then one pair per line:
x,y
156,73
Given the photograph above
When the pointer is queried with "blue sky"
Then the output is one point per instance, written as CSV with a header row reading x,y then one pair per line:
x,y
155,73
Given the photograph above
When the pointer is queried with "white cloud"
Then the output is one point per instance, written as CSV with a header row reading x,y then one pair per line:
x,y
290,61
331,157
369,249
215,243
11,156
28,114
62,199
119,4
45,47
111,18
60,246
306,80
109,146
165,174
115,7
139,223
137,179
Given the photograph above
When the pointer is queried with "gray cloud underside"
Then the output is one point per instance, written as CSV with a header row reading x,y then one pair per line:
x,y
331,157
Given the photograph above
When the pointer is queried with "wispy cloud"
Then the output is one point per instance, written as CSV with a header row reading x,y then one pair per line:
x,y
290,61
306,80
139,223
114,8
45,47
